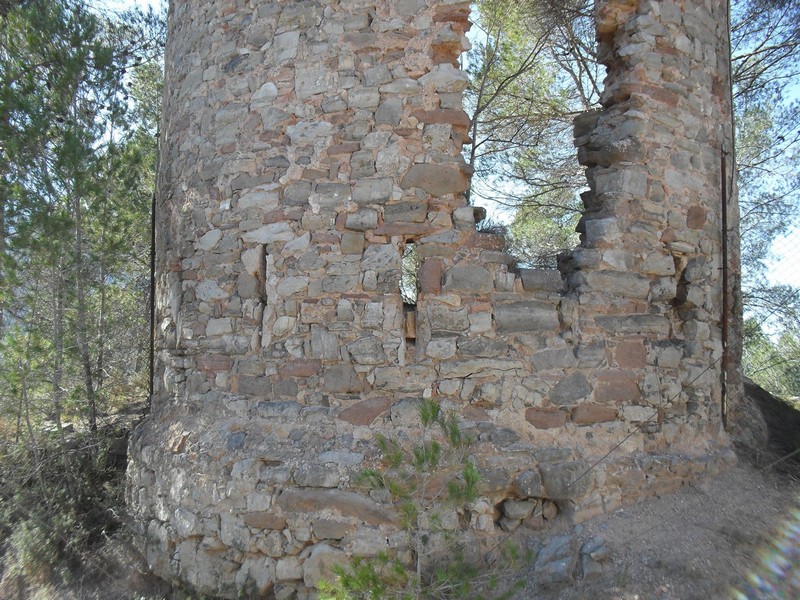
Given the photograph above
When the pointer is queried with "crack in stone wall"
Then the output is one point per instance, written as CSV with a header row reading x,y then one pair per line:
x,y
304,145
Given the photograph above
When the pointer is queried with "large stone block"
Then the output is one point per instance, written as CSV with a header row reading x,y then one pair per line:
x,y
565,481
347,504
468,278
437,180
570,390
525,316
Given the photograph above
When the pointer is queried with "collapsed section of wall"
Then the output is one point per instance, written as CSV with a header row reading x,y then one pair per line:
x,y
306,147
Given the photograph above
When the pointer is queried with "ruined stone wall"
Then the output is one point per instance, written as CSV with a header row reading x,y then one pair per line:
x,y
305,145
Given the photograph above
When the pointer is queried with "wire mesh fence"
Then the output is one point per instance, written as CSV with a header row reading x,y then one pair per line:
x,y
772,319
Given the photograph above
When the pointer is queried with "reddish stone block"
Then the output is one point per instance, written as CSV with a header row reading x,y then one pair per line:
x,y
631,354
475,413
293,214
214,362
413,229
324,238
366,411
299,368
486,241
264,520
437,180
589,414
273,216
617,387
430,276
696,217
345,148
546,418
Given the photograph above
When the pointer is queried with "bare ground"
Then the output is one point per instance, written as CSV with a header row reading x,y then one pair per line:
x,y
699,543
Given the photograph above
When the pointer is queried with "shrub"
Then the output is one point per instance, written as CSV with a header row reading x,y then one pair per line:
x,y
431,483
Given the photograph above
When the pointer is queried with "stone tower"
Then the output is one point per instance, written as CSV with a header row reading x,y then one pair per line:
x,y
306,145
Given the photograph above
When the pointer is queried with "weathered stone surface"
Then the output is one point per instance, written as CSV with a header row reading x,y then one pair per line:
x,y
366,411
556,562
362,220
299,368
275,232
329,529
481,346
347,504
429,277
545,418
565,481
589,414
367,350
389,112
407,212
518,509
556,358
528,484
403,379
525,316
383,257
541,279
570,390
437,180
441,348
478,368
617,387
352,243
445,78
264,520
341,379
318,566
373,191
468,279
635,324
316,476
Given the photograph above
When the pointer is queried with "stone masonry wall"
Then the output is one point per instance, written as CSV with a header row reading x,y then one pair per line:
x,y
304,145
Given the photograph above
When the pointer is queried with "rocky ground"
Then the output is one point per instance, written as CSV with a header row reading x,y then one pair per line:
x,y
705,541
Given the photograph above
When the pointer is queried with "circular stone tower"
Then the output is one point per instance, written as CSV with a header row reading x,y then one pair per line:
x,y
308,146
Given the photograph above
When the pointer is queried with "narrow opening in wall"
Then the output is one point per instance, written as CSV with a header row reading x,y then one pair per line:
x,y
528,80
409,278
409,288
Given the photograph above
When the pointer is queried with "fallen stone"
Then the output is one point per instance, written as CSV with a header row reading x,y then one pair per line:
x,y
518,509
556,562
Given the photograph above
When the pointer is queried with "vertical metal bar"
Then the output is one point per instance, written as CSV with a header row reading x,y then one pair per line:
x,y
725,317
152,296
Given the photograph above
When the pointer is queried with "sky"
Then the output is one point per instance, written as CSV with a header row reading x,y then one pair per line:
x,y
784,264
127,4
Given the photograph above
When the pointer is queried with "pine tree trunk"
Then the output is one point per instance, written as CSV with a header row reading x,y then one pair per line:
x,y
83,330
58,371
